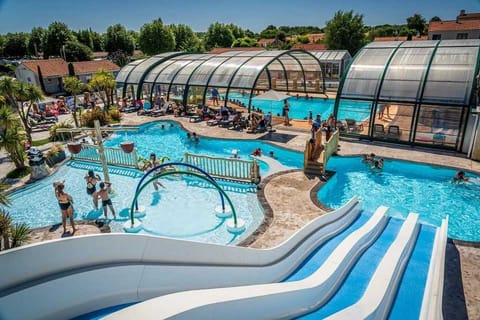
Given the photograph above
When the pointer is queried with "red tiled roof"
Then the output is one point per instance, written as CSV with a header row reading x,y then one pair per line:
x,y
453,25
87,67
222,50
267,41
468,16
310,46
59,68
400,38
100,54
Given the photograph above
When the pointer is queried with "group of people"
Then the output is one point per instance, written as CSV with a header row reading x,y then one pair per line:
x,y
65,200
374,163
193,137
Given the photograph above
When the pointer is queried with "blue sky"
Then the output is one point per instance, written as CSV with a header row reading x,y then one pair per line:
x,y
22,15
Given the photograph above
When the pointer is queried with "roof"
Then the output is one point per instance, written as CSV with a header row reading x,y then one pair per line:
x,y
453,25
310,46
100,54
268,41
468,16
401,38
222,50
59,68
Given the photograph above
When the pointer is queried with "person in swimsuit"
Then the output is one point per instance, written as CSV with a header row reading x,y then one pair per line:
x,y
65,202
106,201
154,163
91,178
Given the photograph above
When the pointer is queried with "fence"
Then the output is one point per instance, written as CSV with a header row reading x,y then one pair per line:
x,y
234,169
114,156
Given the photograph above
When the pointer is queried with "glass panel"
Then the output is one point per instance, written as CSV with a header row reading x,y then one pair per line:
x,y
393,121
169,72
459,43
247,73
439,125
364,75
224,73
125,71
451,75
383,44
201,75
139,70
184,74
354,116
405,74
153,74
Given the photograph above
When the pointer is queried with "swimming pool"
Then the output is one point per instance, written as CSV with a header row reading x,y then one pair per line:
x,y
408,187
183,209
299,108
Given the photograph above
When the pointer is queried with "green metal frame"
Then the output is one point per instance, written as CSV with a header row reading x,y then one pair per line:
x,y
169,173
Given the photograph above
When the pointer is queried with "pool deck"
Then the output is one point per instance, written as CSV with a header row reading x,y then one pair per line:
x,y
462,280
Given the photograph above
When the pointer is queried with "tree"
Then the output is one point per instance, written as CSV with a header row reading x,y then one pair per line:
x,y
345,31
74,86
76,51
98,41
85,37
245,42
36,41
270,32
104,83
21,96
12,137
57,36
218,35
236,31
15,45
435,19
416,22
185,38
12,234
120,58
117,39
156,38
4,198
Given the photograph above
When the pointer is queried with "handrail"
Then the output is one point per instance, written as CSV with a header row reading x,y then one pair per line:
x,y
235,169
114,156
331,147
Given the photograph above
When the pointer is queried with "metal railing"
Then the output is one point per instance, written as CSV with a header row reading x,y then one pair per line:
x,y
226,168
114,156
331,147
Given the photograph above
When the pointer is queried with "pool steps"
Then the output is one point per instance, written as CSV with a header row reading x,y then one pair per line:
x,y
112,269
268,301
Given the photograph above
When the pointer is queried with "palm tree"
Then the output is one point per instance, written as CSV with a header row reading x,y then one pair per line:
x,y
75,87
4,199
5,225
104,83
26,95
19,232
12,137
7,90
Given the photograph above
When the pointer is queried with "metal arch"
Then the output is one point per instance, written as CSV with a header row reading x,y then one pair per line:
x,y
377,95
158,75
168,173
214,70
303,72
163,165
126,79
187,84
413,126
175,75
163,59
235,73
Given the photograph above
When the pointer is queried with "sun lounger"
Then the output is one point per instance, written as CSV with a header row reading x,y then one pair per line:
x,y
214,121
227,122
352,126
379,131
162,111
394,132
39,125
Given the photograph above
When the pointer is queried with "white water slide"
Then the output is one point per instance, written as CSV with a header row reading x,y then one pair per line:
x,y
65,278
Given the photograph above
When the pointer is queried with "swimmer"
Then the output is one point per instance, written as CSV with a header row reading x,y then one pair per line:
x,y
106,201
195,137
235,154
459,177
257,152
272,155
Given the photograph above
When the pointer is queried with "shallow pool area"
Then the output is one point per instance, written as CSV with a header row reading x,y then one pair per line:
x,y
408,187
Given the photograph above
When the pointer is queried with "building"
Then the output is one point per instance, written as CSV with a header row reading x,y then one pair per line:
x,y
466,26
310,46
52,71
269,42
222,50
401,38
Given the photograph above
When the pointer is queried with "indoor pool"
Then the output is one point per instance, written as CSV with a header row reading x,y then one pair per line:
x,y
299,108
408,187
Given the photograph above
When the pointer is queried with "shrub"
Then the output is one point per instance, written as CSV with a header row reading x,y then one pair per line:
x,y
54,150
90,116
61,136
115,115
19,173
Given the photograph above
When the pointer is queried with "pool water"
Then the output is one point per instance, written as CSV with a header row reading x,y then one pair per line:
x,y
408,187
299,108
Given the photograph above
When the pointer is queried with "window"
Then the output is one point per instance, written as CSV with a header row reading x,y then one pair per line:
x,y
437,37
462,35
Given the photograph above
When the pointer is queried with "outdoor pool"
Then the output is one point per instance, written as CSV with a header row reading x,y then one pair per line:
x,y
408,187
299,108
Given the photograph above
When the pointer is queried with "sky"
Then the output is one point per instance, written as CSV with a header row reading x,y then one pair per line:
x,y
23,15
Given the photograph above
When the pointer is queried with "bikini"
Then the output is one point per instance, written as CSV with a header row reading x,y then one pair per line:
x,y
90,187
64,205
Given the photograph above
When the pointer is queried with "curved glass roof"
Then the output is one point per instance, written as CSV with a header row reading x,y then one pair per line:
x,y
440,72
235,69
